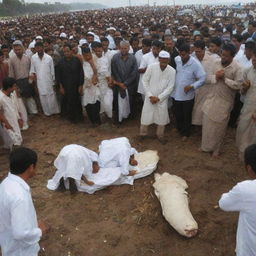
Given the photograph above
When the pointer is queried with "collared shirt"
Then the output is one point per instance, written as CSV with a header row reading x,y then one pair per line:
x,y
19,232
19,68
241,198
191,73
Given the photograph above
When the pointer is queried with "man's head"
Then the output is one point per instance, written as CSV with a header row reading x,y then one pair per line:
x,y
164,58
5,49
228,53
23,162
134,41
67,51
105,43
250,160
215,45
237,40
8,85
18,48
87,54
156,47
199,47
146,45
39,48
90,37
252,27
124,48
111,31
168,43
184,52
249,49
97,49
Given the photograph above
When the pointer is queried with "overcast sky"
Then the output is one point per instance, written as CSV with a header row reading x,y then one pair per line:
x,y
116,3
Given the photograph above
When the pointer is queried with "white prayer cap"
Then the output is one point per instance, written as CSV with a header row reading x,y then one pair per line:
x,y
17,42
63,35
61,26
111,28
71,37
164,55
82,41
39,38
90,33
31,45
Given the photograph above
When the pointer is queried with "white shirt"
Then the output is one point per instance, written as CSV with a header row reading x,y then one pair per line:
x,y
44,70
138,56
19,232
112,44
160,84
147,59
242,199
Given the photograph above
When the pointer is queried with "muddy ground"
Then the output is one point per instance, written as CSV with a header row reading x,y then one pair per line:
x,y
127,220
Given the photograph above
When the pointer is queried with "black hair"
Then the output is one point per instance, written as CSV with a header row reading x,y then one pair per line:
x,y
199,44
96,45
4,46
180,42
8,82
250,156
197,25
230,48
238,37
157,44
184,48
216,40
246,36
155,37
68,46
39,44
104,39
253,23
20,160
134,39
147,42
250,45
86,50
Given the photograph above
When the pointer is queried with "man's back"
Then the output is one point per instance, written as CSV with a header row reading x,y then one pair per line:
x,y
19,232
242,199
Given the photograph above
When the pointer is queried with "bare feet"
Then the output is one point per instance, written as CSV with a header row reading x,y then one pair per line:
x,y
132,173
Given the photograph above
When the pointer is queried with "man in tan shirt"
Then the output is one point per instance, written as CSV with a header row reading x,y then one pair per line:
x,y
19,67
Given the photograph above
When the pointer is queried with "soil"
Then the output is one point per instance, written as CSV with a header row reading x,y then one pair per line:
x,y
127,220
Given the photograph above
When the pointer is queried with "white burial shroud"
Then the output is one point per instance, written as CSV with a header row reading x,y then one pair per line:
x,y
171,191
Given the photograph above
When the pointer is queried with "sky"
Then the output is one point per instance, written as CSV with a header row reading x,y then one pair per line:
x,y
117,3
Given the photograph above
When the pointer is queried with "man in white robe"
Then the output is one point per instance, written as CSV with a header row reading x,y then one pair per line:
x,y
20,231
158,82
246,130
42,68
10,131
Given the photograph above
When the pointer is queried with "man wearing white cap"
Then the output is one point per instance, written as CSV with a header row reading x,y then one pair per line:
x,y
111,32
158,84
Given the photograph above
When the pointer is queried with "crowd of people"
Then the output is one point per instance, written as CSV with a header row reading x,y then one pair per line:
x,y
148,62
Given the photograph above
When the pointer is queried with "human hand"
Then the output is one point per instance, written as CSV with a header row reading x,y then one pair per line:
x,y
153,99
94,80
188,88
132,173
7,125
20,121
246,85
95,167
220,74
80,90
89,183
44,228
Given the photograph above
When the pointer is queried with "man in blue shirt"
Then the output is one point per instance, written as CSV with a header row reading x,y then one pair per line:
x,y
190,76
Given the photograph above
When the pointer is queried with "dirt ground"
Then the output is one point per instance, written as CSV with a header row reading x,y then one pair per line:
x,y
127,220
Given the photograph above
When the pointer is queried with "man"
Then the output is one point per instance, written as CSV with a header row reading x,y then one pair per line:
x,y
201,94
19,228
147,59
19,67
169,46
246,130
70,77
241,198
245,62
158,84
42,69
146,47
111,34
10,130
215,47
124,73
189,77
4,70
226,79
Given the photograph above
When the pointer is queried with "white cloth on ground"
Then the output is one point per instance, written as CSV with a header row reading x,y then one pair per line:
x,y
124,109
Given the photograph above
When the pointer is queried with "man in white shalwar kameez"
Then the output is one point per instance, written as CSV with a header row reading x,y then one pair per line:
x,y
118,153
11,133
246,130
42,68
74,163
158,84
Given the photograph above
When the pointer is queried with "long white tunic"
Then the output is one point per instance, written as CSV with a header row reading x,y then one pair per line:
x,y
241,198
160,84
10,136
73,161
44,70
19,232
91,92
